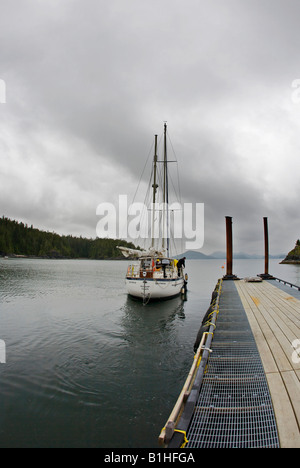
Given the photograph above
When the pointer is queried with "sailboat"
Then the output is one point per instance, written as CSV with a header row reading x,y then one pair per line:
x,y
155,274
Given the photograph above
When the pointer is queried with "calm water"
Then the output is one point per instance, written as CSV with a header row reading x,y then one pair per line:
x,y
89,367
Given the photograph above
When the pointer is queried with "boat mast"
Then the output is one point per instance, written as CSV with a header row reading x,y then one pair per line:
x,y
155,186
165,195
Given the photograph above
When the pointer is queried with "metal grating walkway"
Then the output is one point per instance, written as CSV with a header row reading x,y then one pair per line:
x,y
234,407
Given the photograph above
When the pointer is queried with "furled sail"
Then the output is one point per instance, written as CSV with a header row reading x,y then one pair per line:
x,y
127,252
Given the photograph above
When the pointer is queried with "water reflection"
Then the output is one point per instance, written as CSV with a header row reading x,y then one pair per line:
x,y
152,319
167,309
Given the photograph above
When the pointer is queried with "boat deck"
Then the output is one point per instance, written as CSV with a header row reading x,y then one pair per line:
x,y
250,392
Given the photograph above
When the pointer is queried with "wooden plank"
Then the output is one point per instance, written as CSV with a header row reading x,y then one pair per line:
x,y
288,429
275,330
289,302
279,298
292,384
272,339
286,331
281,307
280,330
271,298
294,303
274,317
269,363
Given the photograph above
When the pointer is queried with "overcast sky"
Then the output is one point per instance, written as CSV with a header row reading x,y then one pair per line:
x,y
89,83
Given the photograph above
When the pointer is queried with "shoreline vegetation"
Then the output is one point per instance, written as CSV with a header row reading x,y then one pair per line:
x,y
293,257
18,240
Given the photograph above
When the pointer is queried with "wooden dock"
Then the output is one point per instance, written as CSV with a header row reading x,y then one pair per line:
x,y
274,316
243,389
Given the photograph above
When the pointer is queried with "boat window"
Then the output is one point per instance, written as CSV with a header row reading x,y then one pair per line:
x,y
146,263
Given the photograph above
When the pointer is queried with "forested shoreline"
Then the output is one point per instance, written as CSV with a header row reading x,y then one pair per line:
x,y
19,239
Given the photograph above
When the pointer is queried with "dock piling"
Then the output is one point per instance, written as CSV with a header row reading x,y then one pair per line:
x,y
229,275
266,274
266,246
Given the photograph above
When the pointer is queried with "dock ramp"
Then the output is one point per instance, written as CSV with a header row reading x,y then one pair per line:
x,y
237,394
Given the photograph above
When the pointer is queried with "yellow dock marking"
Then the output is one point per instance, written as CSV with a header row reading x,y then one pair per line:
x,y
255,300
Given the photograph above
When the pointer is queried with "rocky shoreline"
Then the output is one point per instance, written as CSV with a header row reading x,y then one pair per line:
x,y
293,257
290,262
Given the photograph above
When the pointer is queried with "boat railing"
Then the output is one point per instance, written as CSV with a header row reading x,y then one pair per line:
x,y
287,282
133,270
168,273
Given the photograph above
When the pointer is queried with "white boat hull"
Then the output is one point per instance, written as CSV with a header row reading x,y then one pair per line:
x,y
154,288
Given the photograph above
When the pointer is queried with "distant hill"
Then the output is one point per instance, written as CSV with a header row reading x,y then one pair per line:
x,y
293,257
194,255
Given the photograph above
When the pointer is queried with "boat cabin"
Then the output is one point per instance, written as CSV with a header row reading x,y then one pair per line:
x,y
153,267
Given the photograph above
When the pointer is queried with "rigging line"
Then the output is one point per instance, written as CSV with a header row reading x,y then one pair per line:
x,y
177,196
159,142
176,190
173,241
144,213
172,146
151,150
179,240
161,201
148,193
147,196
178,179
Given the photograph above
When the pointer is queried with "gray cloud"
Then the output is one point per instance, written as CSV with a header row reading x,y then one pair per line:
x,y
89,84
